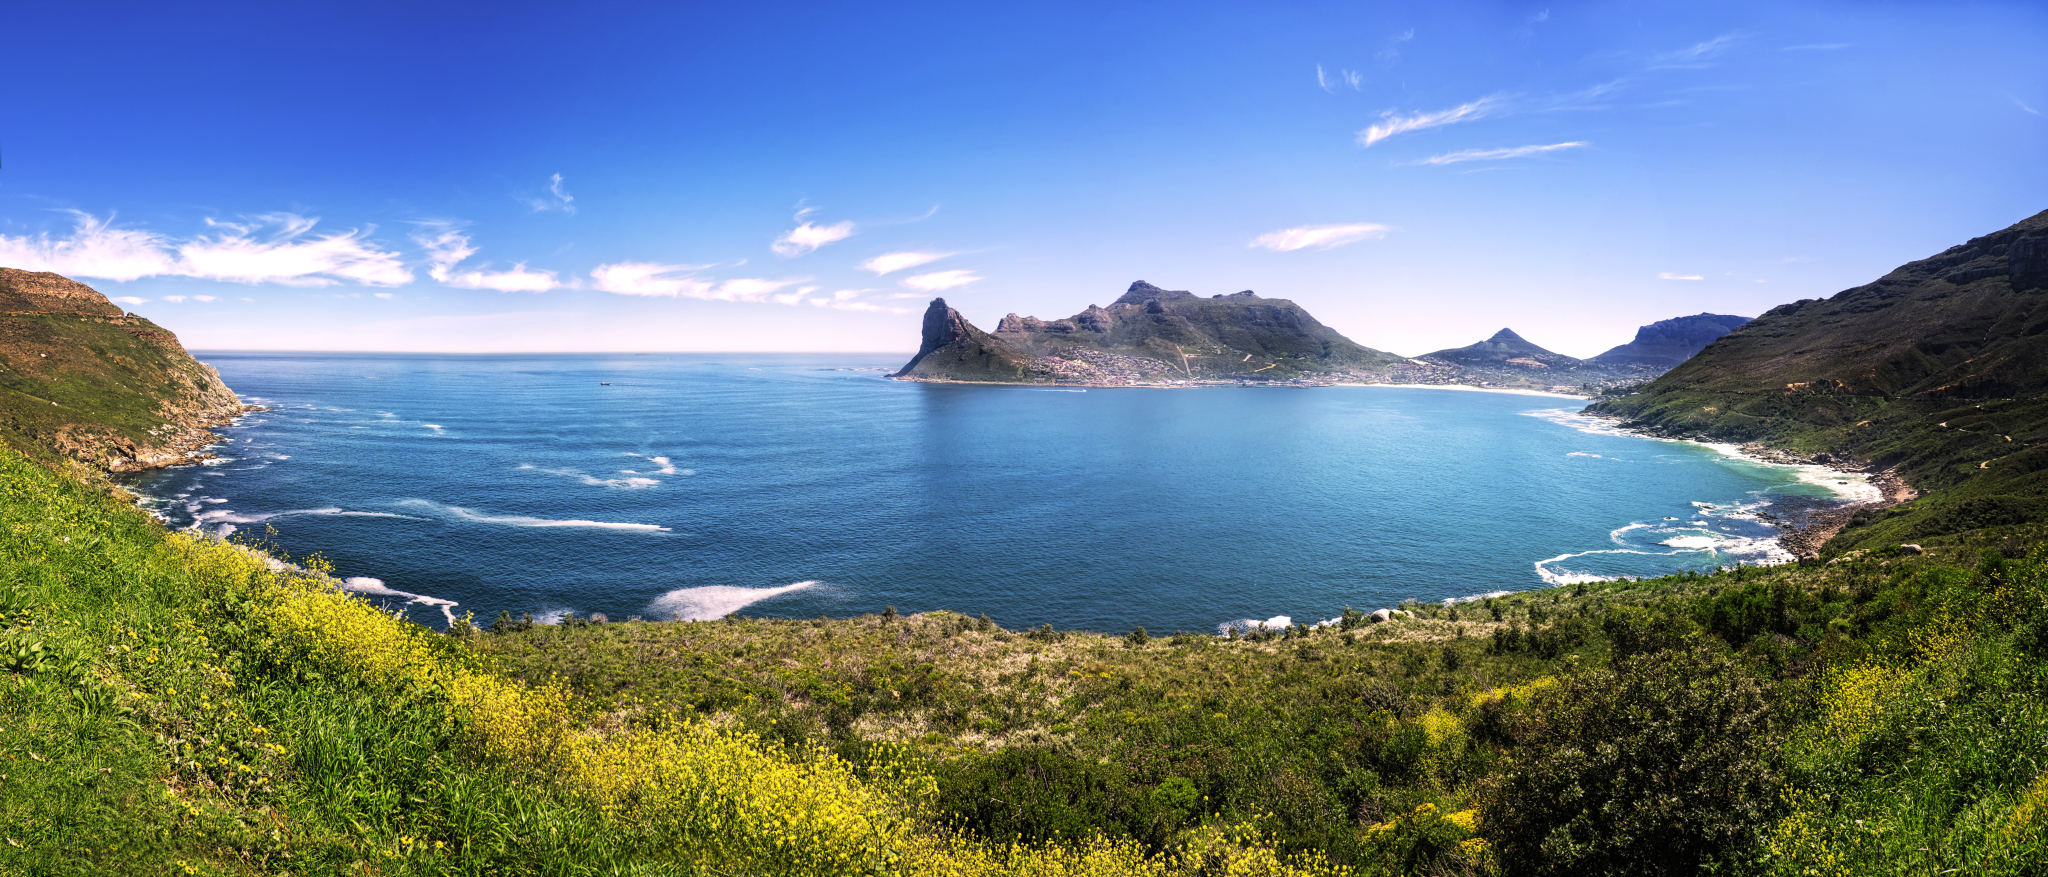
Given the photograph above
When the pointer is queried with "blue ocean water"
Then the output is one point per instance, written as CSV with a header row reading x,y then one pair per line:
x,y
802,485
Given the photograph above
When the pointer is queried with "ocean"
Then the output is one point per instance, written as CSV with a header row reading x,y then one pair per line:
x,y
667,485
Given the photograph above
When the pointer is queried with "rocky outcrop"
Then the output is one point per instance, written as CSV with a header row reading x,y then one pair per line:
x,y
81,378
1666,343
952,349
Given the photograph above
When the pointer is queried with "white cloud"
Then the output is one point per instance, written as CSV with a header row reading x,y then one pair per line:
x,y
650,278
808,237
131,300
890,262
1395,124
2023,105
447,246
94,249
518,279
385,295
1673,275
289,256
1321,237
1493,154
557,198
211,298
654,279
175,299
939,280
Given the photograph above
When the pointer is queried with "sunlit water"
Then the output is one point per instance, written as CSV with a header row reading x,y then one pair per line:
x,y
806,485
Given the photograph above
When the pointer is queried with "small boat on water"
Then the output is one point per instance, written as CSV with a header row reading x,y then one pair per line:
x,y
604,383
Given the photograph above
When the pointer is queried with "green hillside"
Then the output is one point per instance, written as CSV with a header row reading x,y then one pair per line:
x,y
1939,370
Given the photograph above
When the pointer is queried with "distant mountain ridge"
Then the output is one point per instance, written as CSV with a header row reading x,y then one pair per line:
x,y
1667,343
1151,335
1148,334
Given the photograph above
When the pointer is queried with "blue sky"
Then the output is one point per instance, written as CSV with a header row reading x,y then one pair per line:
x,y
805,177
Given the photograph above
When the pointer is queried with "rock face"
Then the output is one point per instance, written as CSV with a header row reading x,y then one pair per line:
x,y
1151,334
953,349
1666,343
85,380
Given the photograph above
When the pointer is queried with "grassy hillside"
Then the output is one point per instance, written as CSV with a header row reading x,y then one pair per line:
x,y
79,378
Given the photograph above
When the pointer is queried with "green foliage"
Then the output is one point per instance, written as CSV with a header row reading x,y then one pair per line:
x,y
1662,765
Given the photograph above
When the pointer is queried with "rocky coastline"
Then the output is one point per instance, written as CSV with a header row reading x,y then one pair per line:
x,y
1807,523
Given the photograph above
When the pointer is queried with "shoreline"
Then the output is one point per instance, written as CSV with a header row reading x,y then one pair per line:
x,y
1228,384
1809,533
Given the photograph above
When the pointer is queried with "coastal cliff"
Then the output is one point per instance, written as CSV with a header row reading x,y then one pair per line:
x,y
81,378
953,349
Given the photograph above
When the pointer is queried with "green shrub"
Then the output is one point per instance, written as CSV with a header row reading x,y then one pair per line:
x,y
1664,764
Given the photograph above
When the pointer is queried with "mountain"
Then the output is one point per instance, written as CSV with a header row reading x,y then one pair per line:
x,y
1504,350
954,350
1666,343
1937,370
1146,335
80,377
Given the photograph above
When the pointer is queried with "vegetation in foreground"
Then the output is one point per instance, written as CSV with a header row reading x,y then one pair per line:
x,y
170,705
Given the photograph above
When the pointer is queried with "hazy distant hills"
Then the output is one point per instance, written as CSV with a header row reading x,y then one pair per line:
x,y
1666,343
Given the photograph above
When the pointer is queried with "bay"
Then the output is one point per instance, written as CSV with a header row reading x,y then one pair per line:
x,y
663,486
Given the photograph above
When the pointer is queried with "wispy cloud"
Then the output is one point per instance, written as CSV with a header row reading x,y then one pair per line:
x,y
1393,123
673,281
211,298
290,254
808,237
557,198
1495,154
1816,47
1673,275
940,280
2023,105
891,262
175,299
1351,79
447,247
1321,237
95,248
1698,53
272,248
1392,52
130,300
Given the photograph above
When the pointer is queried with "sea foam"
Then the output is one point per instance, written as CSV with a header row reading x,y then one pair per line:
x,y
475,516
376,587
714,601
